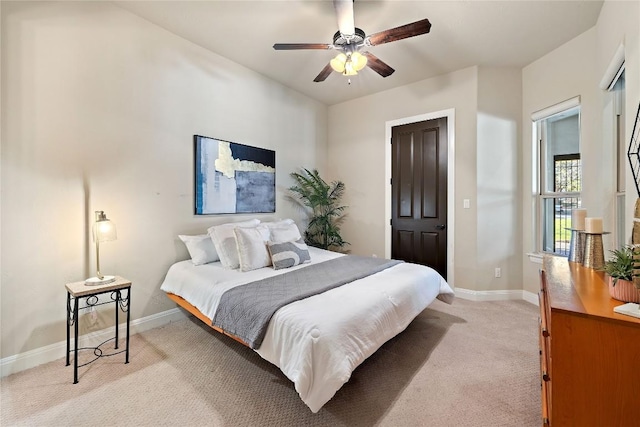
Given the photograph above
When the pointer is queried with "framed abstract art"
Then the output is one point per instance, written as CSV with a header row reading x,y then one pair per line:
x,y
233,178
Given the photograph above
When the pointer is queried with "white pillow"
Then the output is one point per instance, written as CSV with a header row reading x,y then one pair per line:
x,y
285,233
225,241
252,247
201,248
278,223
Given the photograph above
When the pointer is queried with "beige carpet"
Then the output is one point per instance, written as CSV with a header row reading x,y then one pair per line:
x,y
469,364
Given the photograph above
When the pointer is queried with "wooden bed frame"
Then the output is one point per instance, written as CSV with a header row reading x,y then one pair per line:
x,y
191,309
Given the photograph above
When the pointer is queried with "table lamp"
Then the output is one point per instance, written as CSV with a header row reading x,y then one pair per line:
x,y
103,231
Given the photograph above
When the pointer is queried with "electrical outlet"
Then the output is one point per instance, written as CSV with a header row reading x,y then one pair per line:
x,y
498,272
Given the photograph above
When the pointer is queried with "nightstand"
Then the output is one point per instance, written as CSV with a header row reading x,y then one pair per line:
x,y
82,297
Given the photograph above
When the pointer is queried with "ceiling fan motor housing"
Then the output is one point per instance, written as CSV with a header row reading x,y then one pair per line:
x,y
345,42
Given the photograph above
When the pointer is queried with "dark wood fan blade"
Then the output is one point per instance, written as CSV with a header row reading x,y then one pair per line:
x,y
344,14
323,74
298,46
405,31
377,65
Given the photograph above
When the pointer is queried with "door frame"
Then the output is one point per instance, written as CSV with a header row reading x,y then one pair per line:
x,y
450,116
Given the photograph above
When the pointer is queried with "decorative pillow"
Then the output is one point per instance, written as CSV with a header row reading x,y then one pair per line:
x,y
285,233
225,241
252,247
278,223
288,254
201,248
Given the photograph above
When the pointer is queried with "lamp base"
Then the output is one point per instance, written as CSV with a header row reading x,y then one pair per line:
x,y
95,281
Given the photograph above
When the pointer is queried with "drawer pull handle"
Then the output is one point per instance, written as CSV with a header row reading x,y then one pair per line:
x,y
545,332
545,377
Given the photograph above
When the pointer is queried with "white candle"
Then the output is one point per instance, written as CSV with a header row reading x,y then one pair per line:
x,y
577,218
593,225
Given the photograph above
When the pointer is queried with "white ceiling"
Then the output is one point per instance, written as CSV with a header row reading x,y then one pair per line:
x,y
464,33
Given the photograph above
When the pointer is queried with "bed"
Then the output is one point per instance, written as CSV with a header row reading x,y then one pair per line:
x,y
318,341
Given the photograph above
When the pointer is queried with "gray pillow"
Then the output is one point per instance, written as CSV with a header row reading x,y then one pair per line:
x,y
288,254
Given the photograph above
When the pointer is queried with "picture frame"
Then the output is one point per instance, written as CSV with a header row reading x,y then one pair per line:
x,y
232,178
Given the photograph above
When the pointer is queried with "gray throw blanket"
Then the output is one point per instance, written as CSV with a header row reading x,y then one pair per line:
x,y
245,311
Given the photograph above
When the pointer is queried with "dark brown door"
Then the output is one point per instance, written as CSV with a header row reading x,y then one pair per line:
x,y
419,193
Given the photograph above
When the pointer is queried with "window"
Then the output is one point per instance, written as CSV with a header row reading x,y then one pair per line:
x,y
617,95
613,82
559,167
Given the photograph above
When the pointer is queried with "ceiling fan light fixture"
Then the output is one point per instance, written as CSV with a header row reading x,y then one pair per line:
x,y
338,63
348,64
349,69
358,60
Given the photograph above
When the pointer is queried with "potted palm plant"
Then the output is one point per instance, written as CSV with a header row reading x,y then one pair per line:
x,y
620,271
322,201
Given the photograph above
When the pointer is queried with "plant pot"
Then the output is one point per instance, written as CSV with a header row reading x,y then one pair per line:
x,y
624,290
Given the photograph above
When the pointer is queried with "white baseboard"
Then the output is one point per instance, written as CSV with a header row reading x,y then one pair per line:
x,y
503,295
29,359
530,297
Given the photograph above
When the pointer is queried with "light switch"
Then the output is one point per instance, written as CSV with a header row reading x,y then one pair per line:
x,y
465,203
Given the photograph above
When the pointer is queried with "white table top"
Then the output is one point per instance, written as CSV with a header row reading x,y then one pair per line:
x,y
79,289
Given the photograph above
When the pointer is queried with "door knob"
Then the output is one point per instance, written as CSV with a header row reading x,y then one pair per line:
x,y
440,226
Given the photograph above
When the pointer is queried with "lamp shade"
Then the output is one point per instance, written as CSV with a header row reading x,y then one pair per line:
x,y
348,64
349,69
103,230
358,60
338,62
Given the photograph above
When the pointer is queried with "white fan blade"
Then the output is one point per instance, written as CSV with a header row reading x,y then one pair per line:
x,y
344,13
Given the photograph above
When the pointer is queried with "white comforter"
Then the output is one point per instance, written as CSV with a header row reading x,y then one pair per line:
x,y
317,342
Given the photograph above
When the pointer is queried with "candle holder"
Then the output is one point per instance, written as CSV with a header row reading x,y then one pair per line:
x,y
577,245
594,250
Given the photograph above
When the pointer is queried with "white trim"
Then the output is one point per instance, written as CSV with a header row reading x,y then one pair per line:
x,y
535,257
530,297
555,109
32,358
502,295
612,72
451,118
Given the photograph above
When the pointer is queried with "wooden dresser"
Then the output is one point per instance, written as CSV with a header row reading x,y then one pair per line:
x,y
589,355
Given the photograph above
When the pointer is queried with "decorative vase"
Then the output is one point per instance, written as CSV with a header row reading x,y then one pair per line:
x,y
624,290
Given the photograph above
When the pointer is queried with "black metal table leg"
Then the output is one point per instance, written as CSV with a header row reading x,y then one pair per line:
x,y
68,326
118,299
75,341
128,317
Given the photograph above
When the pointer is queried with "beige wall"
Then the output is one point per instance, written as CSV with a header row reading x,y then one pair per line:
x,y
99,109
573,69
356,156
498,178
487,106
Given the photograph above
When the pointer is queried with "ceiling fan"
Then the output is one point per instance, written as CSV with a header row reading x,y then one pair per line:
x,y
350,40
